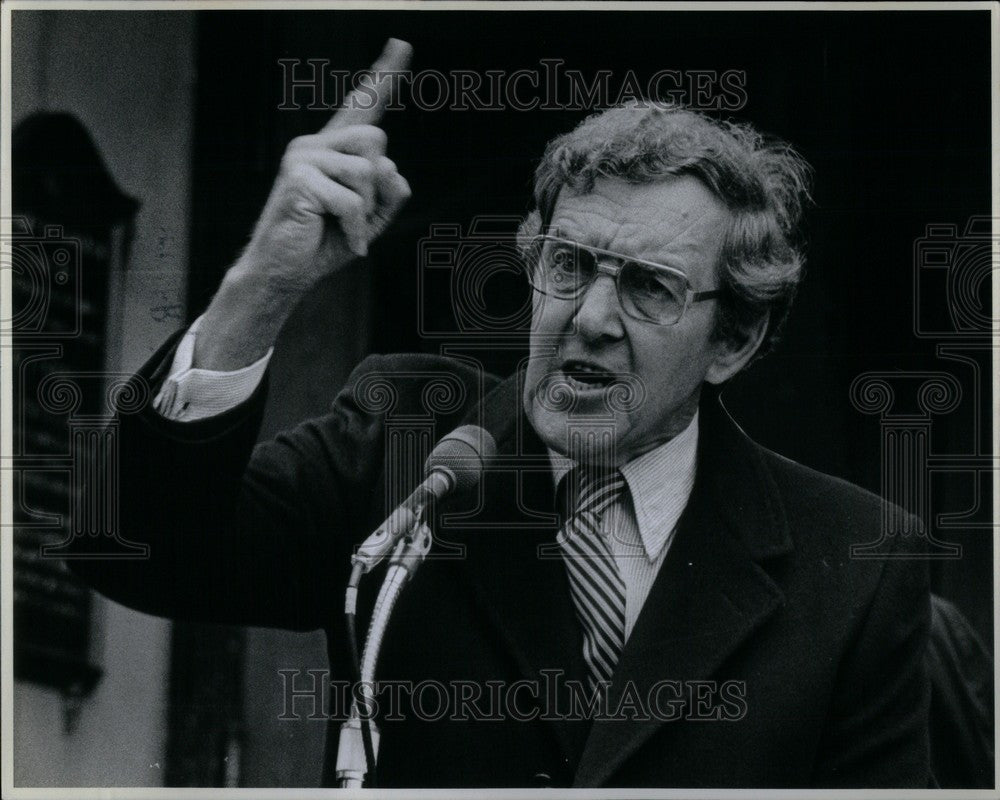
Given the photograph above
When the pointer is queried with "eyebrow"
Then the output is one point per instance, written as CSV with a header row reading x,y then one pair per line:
x,y
563,234
660,261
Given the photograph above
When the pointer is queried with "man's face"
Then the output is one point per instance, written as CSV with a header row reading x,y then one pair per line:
x,y
676,222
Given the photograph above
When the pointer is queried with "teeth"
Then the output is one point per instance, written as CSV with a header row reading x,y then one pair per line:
x,y
575,366
572,371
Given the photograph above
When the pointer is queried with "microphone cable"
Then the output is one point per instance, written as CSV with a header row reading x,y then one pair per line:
x,y
350,617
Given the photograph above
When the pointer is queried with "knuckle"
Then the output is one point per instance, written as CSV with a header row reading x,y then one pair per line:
x,y
291,162
353,205
298,171
375,136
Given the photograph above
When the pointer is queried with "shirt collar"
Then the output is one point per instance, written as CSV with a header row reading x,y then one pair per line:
x,y
660,483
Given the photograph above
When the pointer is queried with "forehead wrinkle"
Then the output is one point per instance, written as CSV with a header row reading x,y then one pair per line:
x,y
566,218
611,227
644,240
677,242
634,221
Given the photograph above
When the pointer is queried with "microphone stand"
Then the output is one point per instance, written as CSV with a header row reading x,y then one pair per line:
x,y
352,761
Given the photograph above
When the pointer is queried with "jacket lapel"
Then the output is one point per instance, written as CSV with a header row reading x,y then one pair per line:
x,y
711,592
525,596
710,595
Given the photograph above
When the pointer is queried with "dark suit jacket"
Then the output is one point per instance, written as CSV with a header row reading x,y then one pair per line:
x,y
758,589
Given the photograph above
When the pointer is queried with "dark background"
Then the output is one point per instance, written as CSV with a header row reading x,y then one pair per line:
x,y
891,109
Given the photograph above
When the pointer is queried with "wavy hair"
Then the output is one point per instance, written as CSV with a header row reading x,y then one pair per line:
x,y
763,182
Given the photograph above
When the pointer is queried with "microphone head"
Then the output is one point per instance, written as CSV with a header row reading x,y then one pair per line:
x,y
463,453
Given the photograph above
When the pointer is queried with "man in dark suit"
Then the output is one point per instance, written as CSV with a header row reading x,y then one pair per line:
x,y
636,594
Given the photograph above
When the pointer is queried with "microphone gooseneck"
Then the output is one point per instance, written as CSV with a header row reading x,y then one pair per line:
x,y
455,464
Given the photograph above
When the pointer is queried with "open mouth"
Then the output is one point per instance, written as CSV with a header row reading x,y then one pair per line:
x,y
584,376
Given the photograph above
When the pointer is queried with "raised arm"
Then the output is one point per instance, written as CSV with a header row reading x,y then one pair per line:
x,y
336,192
243,534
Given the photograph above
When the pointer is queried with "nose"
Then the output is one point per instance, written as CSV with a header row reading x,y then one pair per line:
x,y
599,313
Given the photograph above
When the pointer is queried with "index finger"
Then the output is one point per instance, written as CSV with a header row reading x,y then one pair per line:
x,y
366,104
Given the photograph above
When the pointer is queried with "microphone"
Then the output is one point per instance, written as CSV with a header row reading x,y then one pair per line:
x,y
455,465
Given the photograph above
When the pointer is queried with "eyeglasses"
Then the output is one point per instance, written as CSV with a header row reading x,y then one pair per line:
x,y
647,291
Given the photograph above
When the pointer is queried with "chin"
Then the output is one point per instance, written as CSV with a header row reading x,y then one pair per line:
x,y
584,440
551,430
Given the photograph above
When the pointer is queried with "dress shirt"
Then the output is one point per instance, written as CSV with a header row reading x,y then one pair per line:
x,y
640,525
192,394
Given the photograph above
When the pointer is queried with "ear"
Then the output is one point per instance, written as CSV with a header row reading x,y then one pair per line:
x,y
732,355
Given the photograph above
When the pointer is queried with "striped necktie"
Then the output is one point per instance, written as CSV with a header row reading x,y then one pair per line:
x,y
594,579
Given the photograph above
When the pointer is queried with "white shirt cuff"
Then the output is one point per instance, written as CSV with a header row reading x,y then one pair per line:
x,y
193,394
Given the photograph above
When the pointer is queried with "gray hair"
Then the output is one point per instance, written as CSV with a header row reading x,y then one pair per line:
x,y
762,181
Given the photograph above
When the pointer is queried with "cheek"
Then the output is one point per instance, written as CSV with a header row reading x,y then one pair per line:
x,y
549,315
537,314
671,366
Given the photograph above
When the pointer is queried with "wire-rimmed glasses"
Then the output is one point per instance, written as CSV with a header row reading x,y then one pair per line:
x,y
647,291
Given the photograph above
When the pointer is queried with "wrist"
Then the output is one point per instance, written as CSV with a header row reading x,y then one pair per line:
x,y
249,280
243,320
